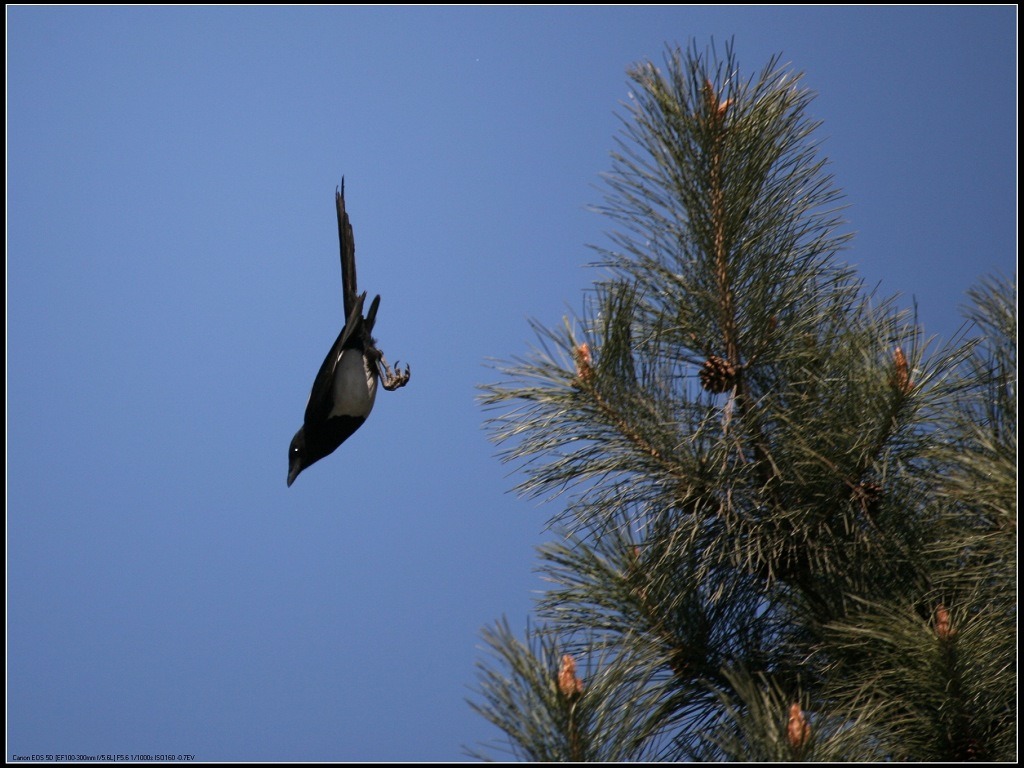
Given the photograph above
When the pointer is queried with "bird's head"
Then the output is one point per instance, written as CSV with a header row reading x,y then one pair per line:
x,y
296,455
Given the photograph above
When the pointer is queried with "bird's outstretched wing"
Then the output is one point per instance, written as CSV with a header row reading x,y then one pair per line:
x,y
348,252
321,399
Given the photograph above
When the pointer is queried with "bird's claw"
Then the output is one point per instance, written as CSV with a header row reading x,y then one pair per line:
x,y
393,379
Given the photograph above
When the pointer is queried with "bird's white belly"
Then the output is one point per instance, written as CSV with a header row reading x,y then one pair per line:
x,y
355,386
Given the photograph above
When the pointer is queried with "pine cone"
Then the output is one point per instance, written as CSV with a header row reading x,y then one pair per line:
x,y
944,624
798,729
717,375
584,363
570,685
900,378
869,494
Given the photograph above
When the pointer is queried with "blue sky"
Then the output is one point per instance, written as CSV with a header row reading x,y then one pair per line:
x,y
173,285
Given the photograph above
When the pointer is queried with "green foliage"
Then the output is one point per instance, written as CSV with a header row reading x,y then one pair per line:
x,y
611,719
782,507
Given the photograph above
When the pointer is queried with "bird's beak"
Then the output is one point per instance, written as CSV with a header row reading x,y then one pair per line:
x,y
295,453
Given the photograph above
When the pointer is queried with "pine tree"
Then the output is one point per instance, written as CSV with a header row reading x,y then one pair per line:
x,y
789,522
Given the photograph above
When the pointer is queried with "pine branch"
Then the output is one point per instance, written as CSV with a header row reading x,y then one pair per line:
x,y
789,522
553,706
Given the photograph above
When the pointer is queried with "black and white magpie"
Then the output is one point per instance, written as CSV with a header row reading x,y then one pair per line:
x,y
346,384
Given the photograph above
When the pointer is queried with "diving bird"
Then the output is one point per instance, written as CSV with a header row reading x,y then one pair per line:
x,y
345,387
